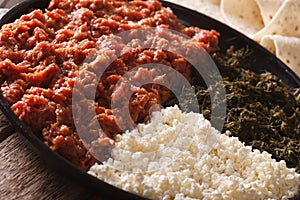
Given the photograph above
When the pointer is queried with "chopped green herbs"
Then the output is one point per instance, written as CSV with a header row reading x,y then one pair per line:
x,y
261,111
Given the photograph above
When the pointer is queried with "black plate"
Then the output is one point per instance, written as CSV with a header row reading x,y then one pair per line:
x,y
264,61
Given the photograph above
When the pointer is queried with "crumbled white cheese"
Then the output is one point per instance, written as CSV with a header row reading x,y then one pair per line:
x,y
180,156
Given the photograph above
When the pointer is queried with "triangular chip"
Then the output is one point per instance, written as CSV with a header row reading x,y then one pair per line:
x,y
285,48
243,15
285,22
268,9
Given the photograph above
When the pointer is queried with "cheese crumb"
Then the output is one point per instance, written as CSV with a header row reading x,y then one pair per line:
x,y
180,156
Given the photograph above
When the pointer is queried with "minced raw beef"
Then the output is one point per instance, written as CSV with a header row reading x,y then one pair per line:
x,y
41,54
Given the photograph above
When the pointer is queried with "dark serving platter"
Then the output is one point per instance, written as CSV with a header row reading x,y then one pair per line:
x,y
263,61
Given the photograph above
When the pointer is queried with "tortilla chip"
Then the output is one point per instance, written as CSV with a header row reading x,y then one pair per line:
x,y
243,15
268,9
210,8
216,2
285,48
285,22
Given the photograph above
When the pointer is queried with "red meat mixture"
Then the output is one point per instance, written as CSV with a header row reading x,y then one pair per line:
x,y
42,52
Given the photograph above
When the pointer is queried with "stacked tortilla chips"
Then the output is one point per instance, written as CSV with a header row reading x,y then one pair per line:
x,y
275,24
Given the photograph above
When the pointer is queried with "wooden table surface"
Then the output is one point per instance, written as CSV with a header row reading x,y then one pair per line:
x,y
24,175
